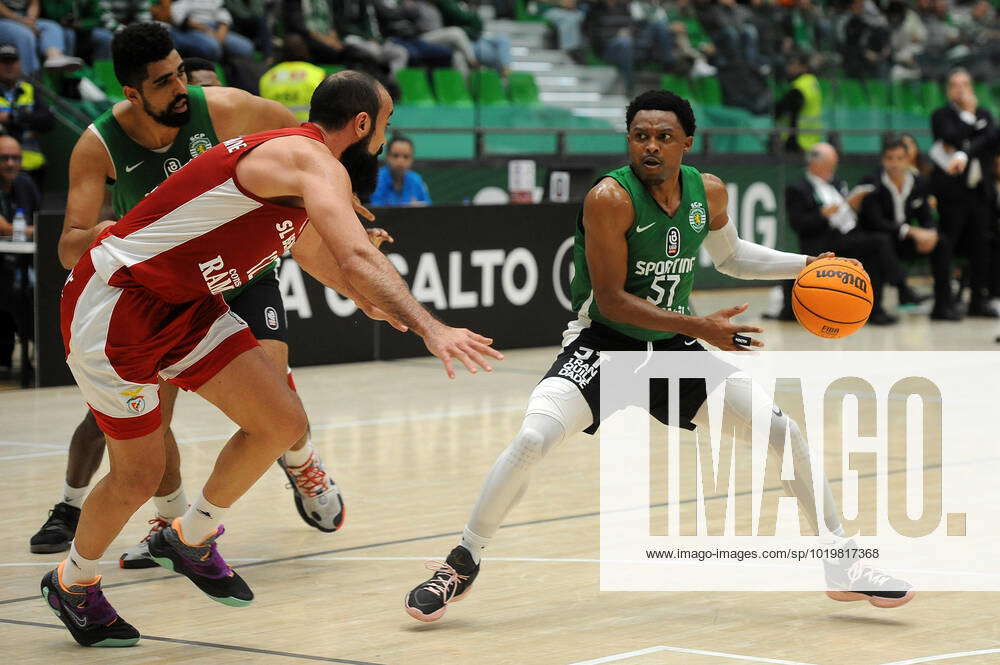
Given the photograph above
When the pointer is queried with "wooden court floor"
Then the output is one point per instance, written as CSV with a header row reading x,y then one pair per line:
x,y
409,450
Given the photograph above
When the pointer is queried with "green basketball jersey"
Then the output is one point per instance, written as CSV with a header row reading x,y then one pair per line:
x,y
139,170
662,252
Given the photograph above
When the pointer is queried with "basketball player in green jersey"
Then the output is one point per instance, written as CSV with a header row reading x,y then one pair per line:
x,y
133,148
637,245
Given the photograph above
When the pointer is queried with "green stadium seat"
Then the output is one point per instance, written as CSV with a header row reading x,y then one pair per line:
x,y
878,94
907,96
708,91
984,94
415,89
104,77
850,93
449,88
676,84
826,87
933,95
487,88
523,89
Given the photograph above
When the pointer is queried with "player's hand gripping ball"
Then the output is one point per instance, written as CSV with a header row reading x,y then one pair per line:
x,y
832,297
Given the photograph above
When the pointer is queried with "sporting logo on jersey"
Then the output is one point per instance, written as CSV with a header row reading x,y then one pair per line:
x,y
271,318
199,144
673,242
172,165
136,403
697,216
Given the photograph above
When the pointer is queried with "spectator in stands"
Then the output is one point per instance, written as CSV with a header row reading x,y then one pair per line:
x,y
17,191
202,28
398,21
312,36
731,28
201,72
964,144
114,16
20,26
918,163
993,191
907,40
980,32
824,215
255,19
358,27
77,18
616,36
866,43
692,47
899,208
490,50
398,184
943,49
23,114
567,18
802,105
292,83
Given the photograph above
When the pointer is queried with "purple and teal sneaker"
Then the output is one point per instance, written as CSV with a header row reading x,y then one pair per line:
x,y
202,564
87,614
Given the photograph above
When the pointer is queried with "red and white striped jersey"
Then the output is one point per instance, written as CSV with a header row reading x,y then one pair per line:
x,y
200,232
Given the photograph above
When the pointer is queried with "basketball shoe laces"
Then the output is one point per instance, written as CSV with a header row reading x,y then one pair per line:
x,y
312,478
860,570
445,581
158,524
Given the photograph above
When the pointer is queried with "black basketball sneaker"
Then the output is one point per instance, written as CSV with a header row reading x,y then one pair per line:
x,y
58,530
87,614
850,579
450,583
202,564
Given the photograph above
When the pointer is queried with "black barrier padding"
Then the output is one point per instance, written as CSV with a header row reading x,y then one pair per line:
x,y
50,359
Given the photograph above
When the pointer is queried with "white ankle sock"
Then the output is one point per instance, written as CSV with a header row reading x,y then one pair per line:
x,y
77,569
74,495
299,457
172,505
475,543
201,520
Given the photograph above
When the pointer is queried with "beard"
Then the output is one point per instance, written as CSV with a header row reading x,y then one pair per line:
x,y
362,166
168,117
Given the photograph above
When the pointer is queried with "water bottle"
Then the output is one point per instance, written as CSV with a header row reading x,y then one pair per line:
x,y
20,224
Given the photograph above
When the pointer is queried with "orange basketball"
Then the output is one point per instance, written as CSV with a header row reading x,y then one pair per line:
x,y
832,298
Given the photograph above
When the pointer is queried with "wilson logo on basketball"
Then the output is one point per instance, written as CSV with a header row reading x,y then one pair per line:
x,y
673,242
845,278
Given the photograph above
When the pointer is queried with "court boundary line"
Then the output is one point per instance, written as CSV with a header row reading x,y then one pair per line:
x,y
943,656
212,645
697,652
452,534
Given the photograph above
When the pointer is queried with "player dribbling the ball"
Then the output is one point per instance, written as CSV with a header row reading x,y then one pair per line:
x,y
637,242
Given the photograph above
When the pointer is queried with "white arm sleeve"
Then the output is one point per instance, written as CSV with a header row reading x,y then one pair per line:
x,y
746,260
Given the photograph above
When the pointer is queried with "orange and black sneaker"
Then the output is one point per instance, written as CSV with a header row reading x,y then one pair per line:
x,y
85,611
201,563
450,582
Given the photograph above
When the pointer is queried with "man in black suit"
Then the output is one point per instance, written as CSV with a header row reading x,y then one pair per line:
x,y
899,209
824,215
965,136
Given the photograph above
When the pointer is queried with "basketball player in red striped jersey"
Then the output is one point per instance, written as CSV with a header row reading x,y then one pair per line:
x,y
144,303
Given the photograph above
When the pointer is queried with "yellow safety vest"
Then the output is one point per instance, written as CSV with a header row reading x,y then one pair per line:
x,y
811,116
292,84
32,158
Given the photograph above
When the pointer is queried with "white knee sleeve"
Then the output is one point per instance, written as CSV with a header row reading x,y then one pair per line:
x,y
562,401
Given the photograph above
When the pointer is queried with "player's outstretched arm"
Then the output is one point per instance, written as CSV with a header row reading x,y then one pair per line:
x,y
89,166
303,168
315,258
607,216
740,258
